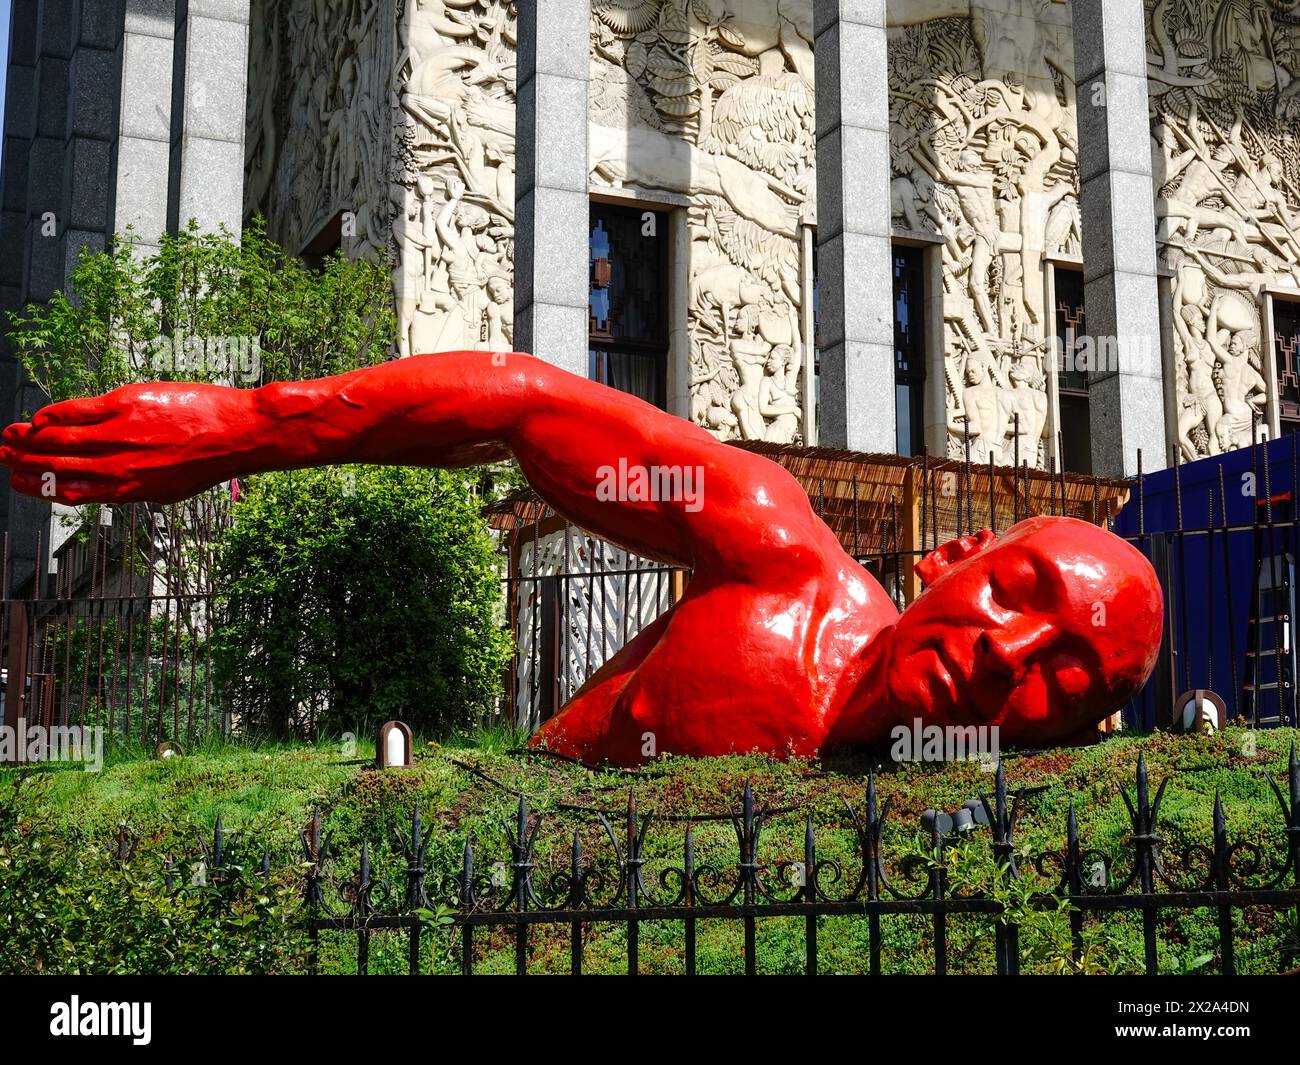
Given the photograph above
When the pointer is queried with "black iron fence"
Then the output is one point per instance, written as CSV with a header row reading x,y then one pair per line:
x,y
115,631
619,871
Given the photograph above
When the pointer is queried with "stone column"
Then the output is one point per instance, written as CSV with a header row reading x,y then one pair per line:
x,y
854,258
552,214
144,128
209,100
60,137
22,517
19,133
1126,400
51,150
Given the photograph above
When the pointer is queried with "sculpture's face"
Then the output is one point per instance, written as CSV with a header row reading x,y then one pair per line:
x,y
1042,633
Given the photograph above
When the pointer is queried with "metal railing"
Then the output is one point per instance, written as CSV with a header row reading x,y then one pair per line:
x,y
617,870
117,636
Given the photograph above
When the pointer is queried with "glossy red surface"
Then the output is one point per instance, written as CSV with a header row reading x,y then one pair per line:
x,y
782,643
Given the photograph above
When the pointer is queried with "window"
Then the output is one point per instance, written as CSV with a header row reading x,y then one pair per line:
x,y
1072,383
1286,340
909,350
628,320
329,241
816,327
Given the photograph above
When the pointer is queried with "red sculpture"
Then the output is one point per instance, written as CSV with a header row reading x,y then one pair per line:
x,y
782,643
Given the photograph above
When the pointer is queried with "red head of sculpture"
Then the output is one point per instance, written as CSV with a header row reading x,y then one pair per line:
x,y
1043,632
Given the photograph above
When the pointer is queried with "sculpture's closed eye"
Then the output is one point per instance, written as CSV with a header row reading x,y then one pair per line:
x,y
1015,584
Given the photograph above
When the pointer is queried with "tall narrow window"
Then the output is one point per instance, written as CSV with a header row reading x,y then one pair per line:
x,y
1286,356
628,319
817,333
1072,381
909,350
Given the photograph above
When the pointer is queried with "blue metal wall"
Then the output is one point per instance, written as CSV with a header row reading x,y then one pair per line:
x,y
1210,579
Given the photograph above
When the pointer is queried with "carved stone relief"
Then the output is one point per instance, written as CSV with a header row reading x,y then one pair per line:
x,y
454,197
984,160
263,118
394,120
1224,84
711,101
319,144
402,113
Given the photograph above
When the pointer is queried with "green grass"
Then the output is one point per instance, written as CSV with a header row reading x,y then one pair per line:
x,y
270,793
162,800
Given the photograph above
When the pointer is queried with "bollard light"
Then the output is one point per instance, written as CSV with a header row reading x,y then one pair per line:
x,y
936,821
963,821
393,746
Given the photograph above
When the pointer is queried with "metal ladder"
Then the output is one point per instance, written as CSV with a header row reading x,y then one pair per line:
x,y
1270,644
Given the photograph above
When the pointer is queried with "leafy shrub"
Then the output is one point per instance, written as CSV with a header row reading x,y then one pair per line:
x,y
348,597
213,307
71,908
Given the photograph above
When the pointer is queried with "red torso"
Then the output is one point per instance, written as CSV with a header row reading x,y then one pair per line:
x,y
762,666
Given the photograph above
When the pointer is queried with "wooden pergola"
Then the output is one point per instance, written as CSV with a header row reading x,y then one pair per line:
x,y
893,508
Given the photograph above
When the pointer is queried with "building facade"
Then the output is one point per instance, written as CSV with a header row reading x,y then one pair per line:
x,y
1025,230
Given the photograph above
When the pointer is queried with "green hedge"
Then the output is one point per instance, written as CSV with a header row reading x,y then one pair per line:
x,y
350,596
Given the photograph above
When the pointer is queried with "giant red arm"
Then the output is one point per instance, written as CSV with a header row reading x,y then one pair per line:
x,y
163,442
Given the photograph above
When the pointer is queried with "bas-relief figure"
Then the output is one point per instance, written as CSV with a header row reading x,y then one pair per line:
x,y
984,158
1224,84
453,196
318,145
711,101
398,117
706,100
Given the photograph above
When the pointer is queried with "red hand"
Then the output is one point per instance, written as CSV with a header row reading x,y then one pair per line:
x,y
156,442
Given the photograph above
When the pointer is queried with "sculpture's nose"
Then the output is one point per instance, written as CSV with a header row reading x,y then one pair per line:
x,y
1009,648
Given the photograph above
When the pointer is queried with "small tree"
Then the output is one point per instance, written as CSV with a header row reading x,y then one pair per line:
x,y
350,596
204,307
208,307
340,608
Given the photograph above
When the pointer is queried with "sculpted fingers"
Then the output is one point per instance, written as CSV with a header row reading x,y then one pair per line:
x,y
74,427
72,490
64,440
24,460
76,412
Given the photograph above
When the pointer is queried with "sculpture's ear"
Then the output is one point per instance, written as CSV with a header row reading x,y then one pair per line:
x,y
937,562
